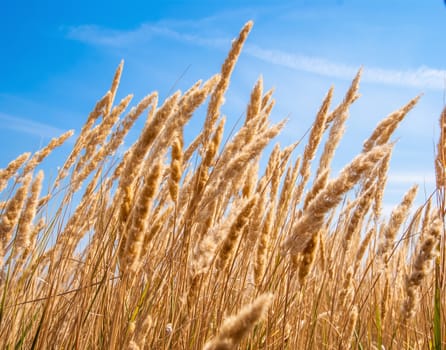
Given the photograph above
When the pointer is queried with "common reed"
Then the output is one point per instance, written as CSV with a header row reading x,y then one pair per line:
x,y
156,247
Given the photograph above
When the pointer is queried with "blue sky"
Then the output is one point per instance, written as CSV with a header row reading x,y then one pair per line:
x,y
57,60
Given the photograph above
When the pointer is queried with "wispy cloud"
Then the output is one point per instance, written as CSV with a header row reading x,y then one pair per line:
x,y
410,178
422,77
28,126
99,36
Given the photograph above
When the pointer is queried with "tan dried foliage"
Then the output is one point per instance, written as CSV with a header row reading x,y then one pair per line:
x,y
156,247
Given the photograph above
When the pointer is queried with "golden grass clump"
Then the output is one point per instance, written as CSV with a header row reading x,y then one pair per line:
x,y
154,248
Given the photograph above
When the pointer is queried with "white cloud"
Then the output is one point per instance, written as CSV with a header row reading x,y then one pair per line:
x,y
95,35
422,77
28,126
404,178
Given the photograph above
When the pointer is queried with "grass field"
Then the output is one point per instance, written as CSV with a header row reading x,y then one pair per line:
x,y
198,246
